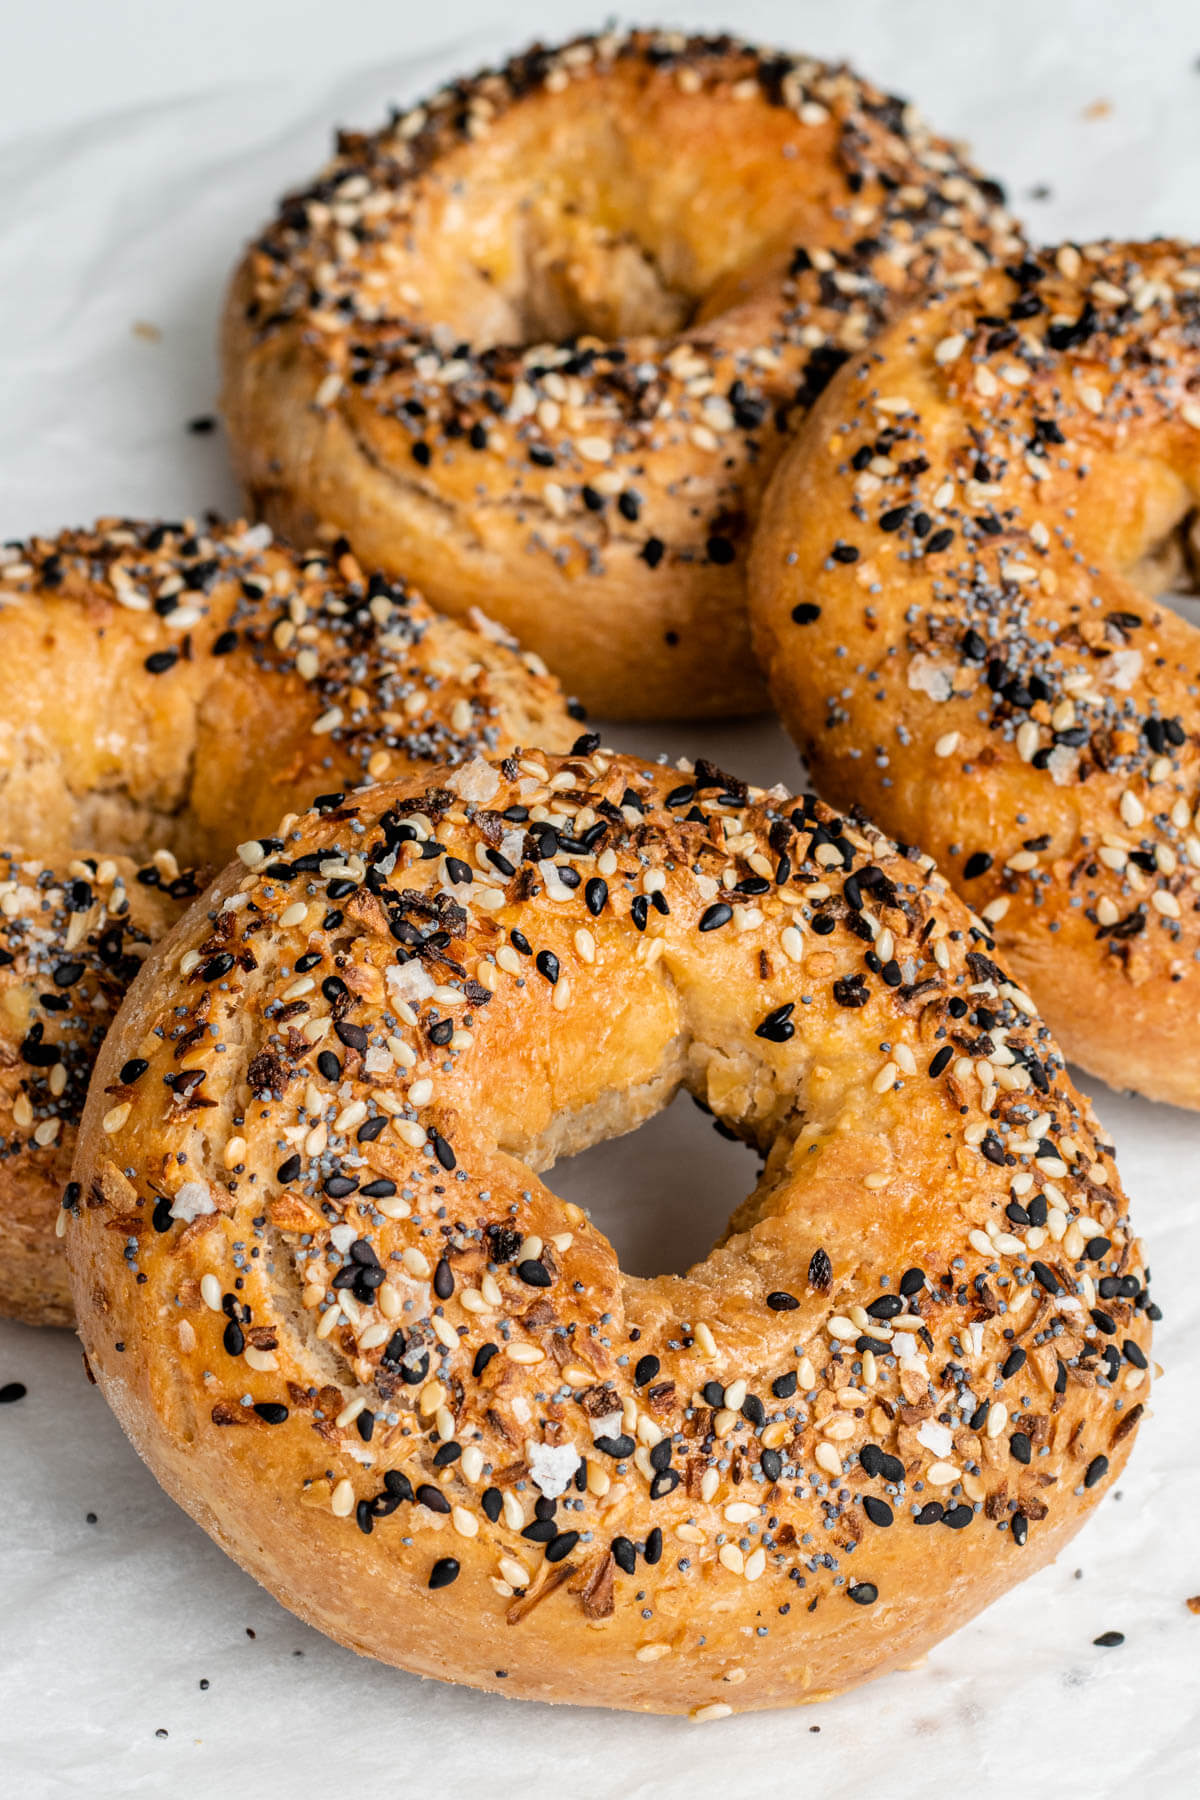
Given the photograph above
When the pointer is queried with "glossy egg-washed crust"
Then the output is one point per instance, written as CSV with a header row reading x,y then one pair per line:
x,y
171,686
953,599
538,342
411,1391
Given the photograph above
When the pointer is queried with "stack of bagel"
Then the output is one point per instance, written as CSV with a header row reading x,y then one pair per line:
x,y
643,378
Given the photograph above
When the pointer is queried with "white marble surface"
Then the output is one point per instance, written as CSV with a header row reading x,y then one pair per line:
x,y
139,143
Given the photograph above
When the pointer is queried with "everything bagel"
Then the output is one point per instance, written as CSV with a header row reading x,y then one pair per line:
x,y
953,598
173,688
355,1335
538,342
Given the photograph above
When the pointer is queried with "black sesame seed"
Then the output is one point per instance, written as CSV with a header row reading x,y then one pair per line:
x,y
624,1555
615,1447
781,1302
1096,1470
888,1306
777,1027
715,916
492,1503
443,1572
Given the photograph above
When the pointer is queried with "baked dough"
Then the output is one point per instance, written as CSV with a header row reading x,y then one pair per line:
x,y
355,1335
171,688
954,599
537,343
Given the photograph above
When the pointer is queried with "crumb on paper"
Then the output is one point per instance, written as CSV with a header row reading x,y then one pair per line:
x,y
148,332
1097,109
1193,1605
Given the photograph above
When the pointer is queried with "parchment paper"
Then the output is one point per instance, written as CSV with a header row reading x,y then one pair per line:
x,y
116,235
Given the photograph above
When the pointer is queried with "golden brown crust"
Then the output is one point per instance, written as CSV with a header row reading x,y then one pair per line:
x,y
181,687
539,342
972,527
355,1335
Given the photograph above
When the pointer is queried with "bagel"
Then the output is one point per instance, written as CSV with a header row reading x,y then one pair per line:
x,y
411,1391
538,342
954,600
172,689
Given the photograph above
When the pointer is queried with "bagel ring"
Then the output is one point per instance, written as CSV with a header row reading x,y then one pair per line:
x,y
173,689
538,343
352,1332
954,602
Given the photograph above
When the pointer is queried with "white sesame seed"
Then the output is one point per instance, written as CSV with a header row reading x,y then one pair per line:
x,y
828,1459
885,1079
792,943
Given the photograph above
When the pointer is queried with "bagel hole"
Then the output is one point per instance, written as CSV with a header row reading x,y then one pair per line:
x,y
573,277
661,1194
609,213
1169,568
